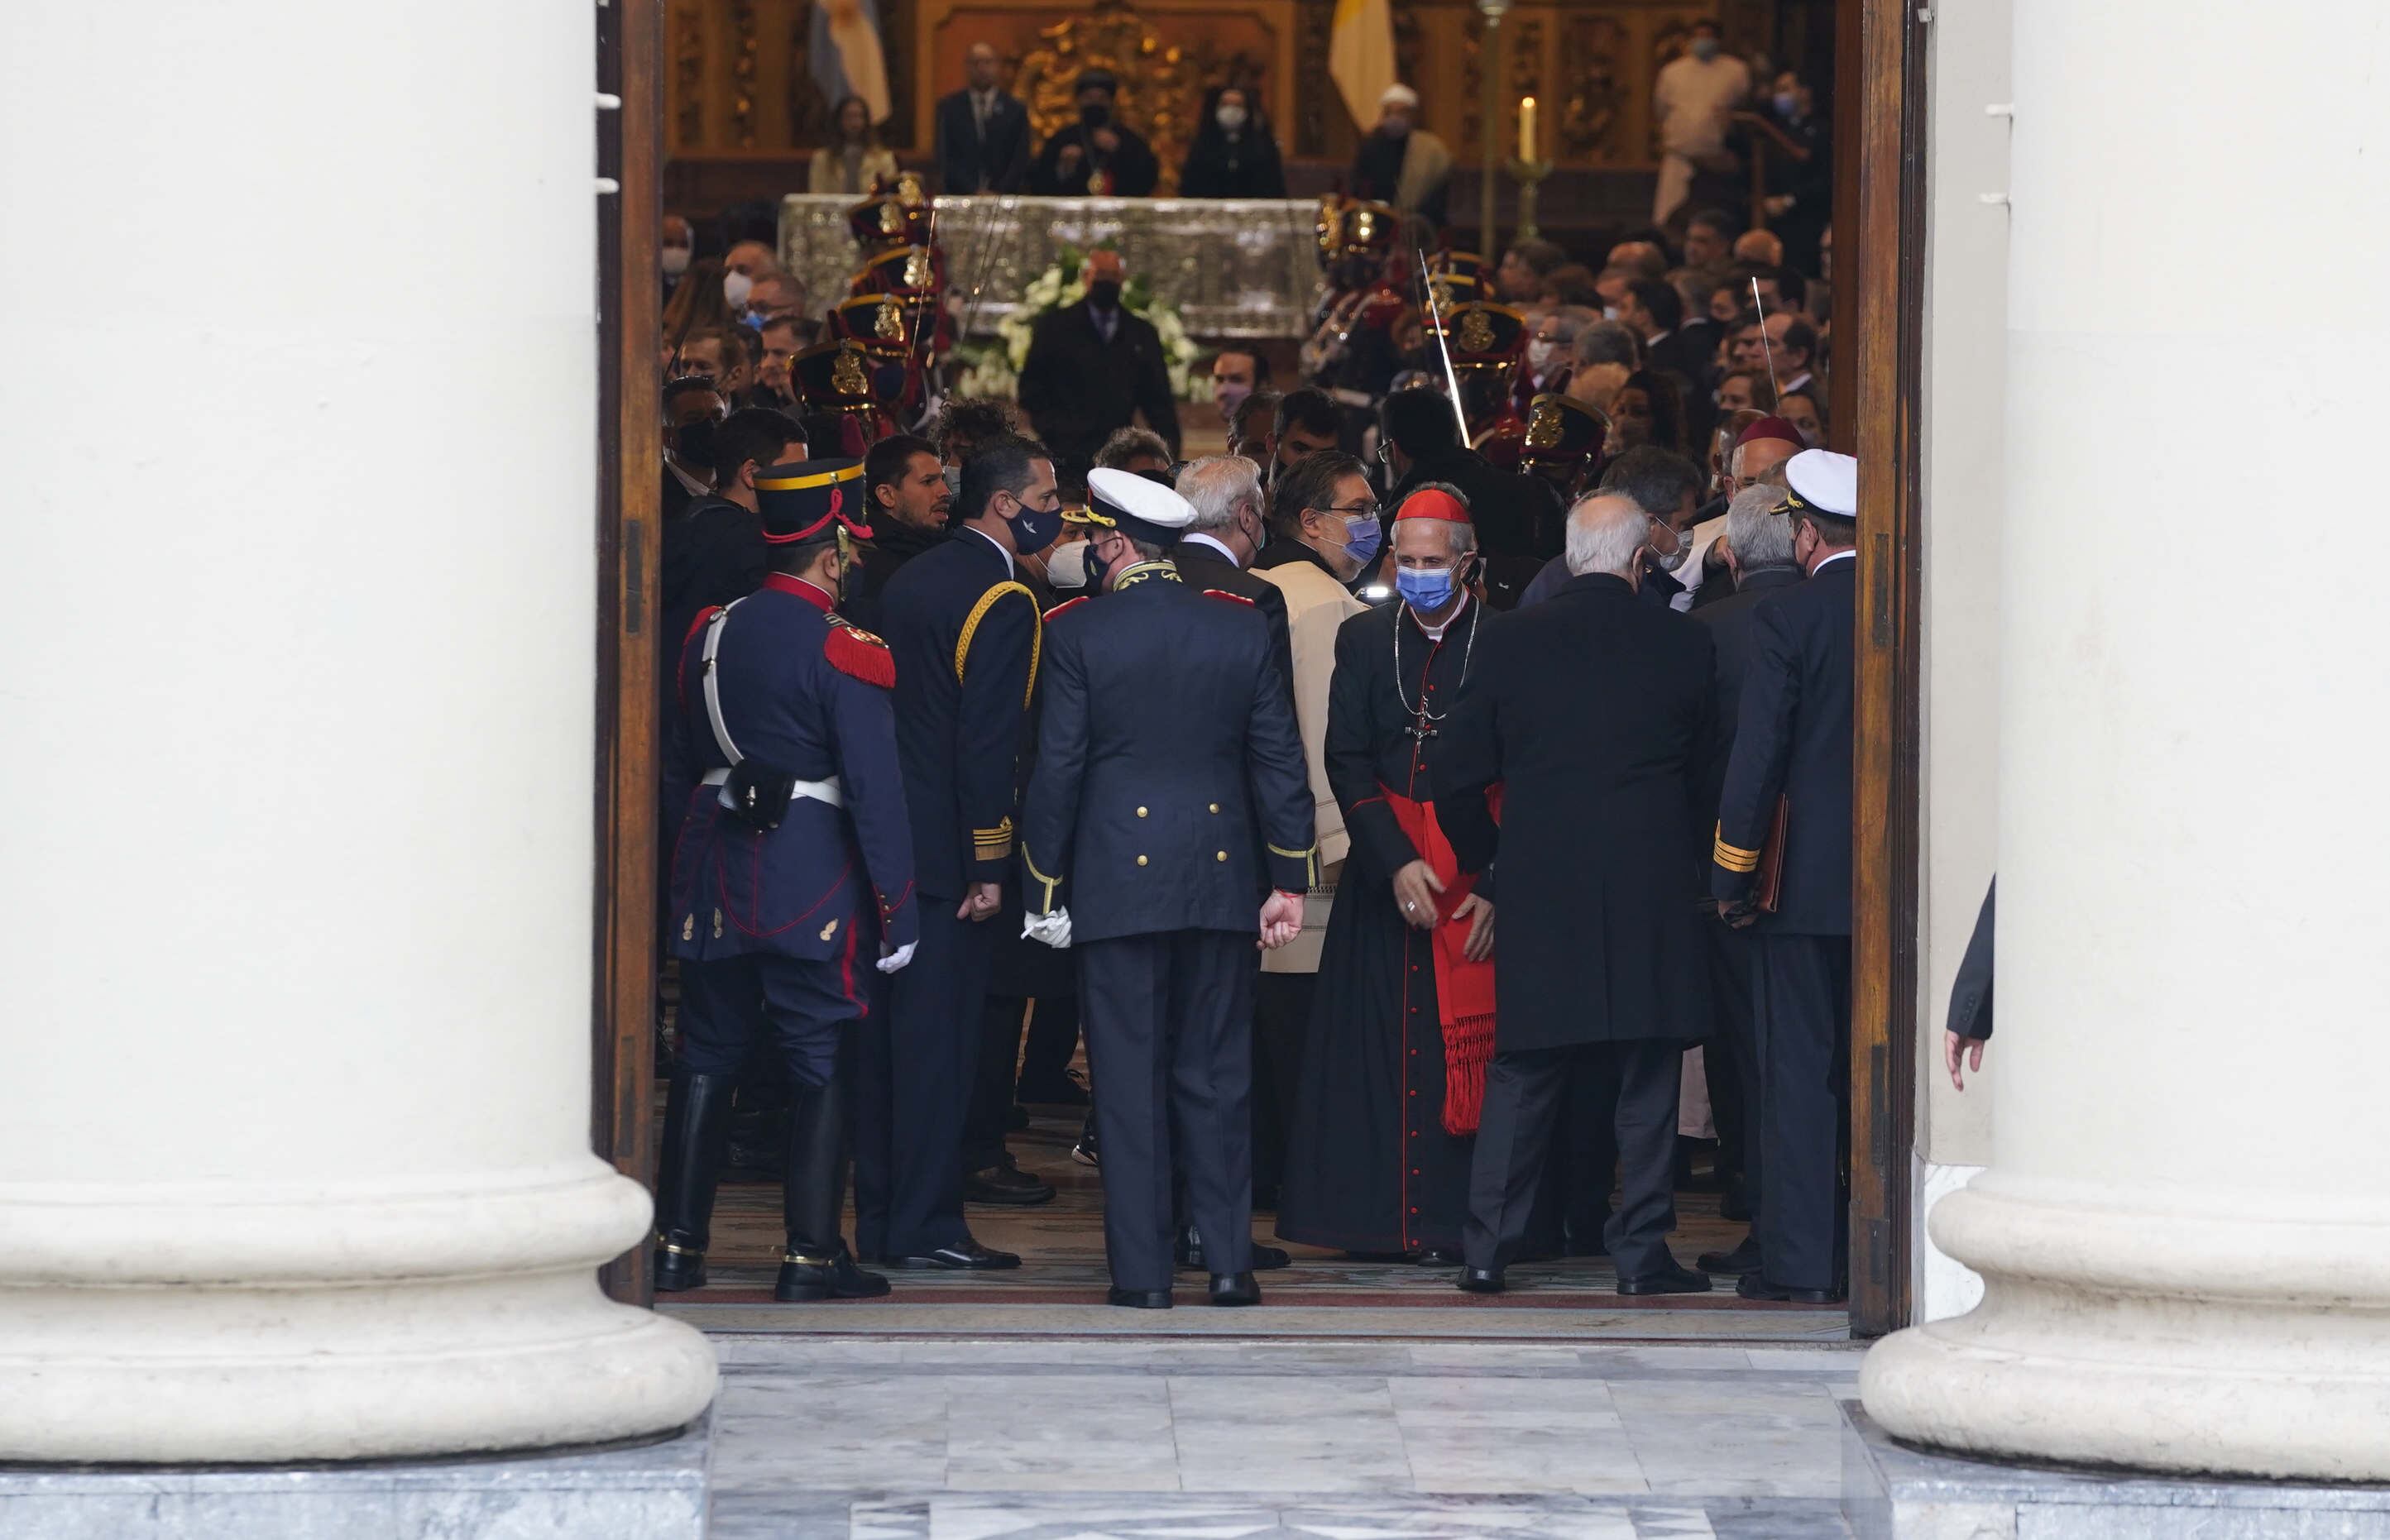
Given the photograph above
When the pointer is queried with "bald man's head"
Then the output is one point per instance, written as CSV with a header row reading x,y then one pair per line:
x,y
1607,533
982,63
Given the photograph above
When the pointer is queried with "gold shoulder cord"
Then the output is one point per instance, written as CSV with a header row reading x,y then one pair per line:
x,y
979,612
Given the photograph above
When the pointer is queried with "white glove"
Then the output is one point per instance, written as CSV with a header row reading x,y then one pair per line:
x,y
1053,927
897,959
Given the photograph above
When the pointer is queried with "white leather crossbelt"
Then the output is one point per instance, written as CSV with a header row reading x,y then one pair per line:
x,y
820,791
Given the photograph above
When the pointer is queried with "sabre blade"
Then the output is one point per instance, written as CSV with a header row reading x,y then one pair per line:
x,y
1451,380
1769,354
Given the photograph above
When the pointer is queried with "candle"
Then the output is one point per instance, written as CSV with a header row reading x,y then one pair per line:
x,y
1527,128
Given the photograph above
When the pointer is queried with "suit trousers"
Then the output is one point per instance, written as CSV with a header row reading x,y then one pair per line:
x,y
1524,1093
1801,996
918,1059
729,1004
1732,1062
1282,1020
1168,1020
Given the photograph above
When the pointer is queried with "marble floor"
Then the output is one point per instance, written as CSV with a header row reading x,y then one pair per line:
x,y
956,1437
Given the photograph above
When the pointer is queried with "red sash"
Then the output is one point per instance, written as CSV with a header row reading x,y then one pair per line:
x,y
1464,990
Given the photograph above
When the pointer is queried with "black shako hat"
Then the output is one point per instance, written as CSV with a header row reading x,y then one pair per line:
x,y
810,500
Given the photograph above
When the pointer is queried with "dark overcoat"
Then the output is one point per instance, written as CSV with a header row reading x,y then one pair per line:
x,y
1597,714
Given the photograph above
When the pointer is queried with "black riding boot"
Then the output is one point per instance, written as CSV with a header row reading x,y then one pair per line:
x,y
697,1125
818,1264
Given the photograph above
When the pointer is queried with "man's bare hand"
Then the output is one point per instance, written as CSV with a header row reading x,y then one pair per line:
x,y
1070,155
1106,140
1282,920
1415,889
1739,916
980,900
1953,1046
1479,910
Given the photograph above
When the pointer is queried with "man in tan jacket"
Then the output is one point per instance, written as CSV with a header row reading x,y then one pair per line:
x,y
1321,505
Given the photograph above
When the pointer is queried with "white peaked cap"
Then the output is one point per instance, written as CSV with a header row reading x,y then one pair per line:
x,y
1822,480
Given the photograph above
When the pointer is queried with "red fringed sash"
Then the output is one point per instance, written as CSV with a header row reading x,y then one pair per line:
x,y
1464,990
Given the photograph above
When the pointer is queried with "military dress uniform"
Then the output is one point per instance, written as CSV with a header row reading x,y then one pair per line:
x,y
791,880
1170,793
965,630
1792,744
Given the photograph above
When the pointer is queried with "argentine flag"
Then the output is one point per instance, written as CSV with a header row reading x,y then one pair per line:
x,y
844,51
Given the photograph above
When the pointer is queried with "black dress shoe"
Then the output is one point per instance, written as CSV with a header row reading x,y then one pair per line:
x,y
1235,1288
1006,1183
1671,1279
1139,1299
1084,1151
1480,1280
1754,1286
965,1255
806,1276
1743,1259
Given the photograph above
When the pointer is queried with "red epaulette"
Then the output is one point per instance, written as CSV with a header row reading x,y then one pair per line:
x,y
1234,598
854,651
1067,604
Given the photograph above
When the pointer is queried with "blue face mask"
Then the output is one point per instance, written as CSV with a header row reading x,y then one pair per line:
x,y
1426,589
1363,539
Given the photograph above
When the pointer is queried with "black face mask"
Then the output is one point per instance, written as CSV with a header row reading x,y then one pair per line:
x,y
694,441
1104,294
1095,114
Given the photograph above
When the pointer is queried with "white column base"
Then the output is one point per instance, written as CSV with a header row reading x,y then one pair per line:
x,y
235,1324
2117,1331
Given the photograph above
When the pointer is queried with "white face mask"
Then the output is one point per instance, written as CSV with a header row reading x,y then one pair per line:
x,y
1066,566
1539,355
736,287
675,261
1230,118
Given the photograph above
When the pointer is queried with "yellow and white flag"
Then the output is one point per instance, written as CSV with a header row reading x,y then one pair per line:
x,y
1361,55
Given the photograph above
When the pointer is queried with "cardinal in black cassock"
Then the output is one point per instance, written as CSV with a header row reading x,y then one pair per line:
x,y
1403,1025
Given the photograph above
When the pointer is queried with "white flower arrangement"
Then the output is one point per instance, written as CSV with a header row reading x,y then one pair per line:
x,y
992,368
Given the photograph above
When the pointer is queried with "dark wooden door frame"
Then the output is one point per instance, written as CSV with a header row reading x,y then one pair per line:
x,y
630,478
1879,311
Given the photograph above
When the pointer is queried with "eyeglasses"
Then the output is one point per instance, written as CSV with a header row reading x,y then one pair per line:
x,y
1359,510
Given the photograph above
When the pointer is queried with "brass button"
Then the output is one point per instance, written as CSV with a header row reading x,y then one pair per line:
x,y
1224,855
1140,813
1215,807
1140,860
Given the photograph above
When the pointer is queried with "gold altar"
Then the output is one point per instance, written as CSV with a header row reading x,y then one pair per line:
x,y
1232,269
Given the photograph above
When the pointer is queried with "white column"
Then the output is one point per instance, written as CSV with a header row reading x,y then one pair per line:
x,y
296,691
2184,1234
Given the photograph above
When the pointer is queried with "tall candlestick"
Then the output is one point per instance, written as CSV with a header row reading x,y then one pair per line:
x,y
1526,128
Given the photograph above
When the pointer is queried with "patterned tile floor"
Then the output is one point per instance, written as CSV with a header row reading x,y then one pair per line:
x,y
975,1439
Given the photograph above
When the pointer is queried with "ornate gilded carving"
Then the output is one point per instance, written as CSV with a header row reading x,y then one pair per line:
x,y
746,48
1590,47
1315,92
1160,87
688,74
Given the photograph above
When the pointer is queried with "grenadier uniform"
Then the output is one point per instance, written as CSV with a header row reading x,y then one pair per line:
x,y
1169,795
791,885
1791,765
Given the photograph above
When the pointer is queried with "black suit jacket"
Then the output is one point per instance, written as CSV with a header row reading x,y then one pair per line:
x,y
965,633
1078,388
1595,712
1971,992
1792,738
968,163
1730,621
1200,567
1685,353
1132,168
713,553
